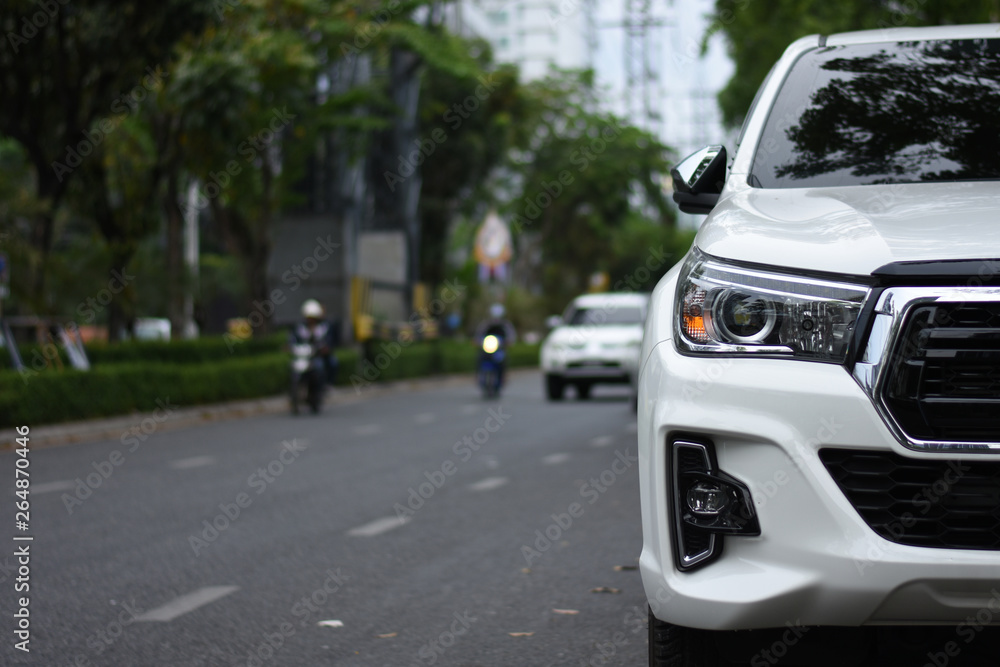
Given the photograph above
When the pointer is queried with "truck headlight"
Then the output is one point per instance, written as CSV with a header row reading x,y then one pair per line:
x,y
727,309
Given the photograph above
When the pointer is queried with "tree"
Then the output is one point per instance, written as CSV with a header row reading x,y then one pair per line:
x,y
583,174
468,124
69,75
757,33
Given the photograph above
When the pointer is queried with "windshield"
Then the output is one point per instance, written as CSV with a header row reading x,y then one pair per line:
x,y
885,113
599,316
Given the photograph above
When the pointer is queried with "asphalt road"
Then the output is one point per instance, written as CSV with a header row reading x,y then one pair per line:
x,y
427,527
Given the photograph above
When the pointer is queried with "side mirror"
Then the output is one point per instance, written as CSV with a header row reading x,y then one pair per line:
x,y
699,178
553,321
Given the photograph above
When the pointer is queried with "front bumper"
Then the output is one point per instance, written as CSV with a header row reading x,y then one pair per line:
x,y
592,362
816,561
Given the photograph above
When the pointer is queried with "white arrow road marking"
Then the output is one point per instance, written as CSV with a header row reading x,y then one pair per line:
x,y
49,487
379,526
193,462
185,603
555,459
488,484
602,441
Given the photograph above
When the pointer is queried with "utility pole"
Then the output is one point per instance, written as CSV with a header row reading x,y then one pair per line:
x,y
641,77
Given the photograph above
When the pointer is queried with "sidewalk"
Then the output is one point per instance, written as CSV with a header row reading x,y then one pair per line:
x,y
114,428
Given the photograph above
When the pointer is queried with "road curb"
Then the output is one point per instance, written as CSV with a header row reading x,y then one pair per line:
x,y
115,428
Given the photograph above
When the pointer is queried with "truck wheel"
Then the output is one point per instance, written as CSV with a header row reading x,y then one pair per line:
x,y
675,646
554,387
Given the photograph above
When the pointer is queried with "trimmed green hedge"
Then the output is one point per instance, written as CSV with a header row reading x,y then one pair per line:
x,y
113,388
200,350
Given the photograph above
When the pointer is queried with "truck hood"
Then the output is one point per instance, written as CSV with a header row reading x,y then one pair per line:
x,y
855,230
606,334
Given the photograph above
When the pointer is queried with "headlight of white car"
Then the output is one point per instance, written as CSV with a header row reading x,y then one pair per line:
x,y
727,309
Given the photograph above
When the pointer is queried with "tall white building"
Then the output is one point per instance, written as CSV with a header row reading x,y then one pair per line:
x,y
536,34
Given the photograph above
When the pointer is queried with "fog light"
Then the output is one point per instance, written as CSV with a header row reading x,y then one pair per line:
x,y
707,504
707,498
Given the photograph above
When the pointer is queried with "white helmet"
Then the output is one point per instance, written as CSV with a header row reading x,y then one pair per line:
x,y
496,311
311,308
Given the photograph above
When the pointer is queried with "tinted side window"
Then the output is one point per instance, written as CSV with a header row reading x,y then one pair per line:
x,y
885,113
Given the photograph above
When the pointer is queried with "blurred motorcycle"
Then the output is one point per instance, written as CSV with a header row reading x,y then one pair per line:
x,y
307,383
492,359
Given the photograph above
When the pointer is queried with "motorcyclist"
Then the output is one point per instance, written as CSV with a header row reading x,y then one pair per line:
x,y
322,335
497,325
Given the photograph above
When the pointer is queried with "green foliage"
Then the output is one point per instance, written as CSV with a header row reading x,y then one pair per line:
x,y
130,377
642,252
757,32
206,349
470,121
70,75
122,388
430,358
585,174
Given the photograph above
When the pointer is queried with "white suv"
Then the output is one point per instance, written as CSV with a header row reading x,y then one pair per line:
x,y
819,389
596,341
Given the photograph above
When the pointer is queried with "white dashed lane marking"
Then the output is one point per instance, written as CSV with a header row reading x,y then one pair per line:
x,y
51,487
488,484
555,459
602,441
193,462
379,526
425,418
187,603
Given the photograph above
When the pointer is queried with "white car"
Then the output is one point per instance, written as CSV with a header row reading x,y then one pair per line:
x,y
596,341
819,388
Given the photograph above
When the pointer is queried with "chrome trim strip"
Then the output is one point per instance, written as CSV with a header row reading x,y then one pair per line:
x,y
871,371
687,562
